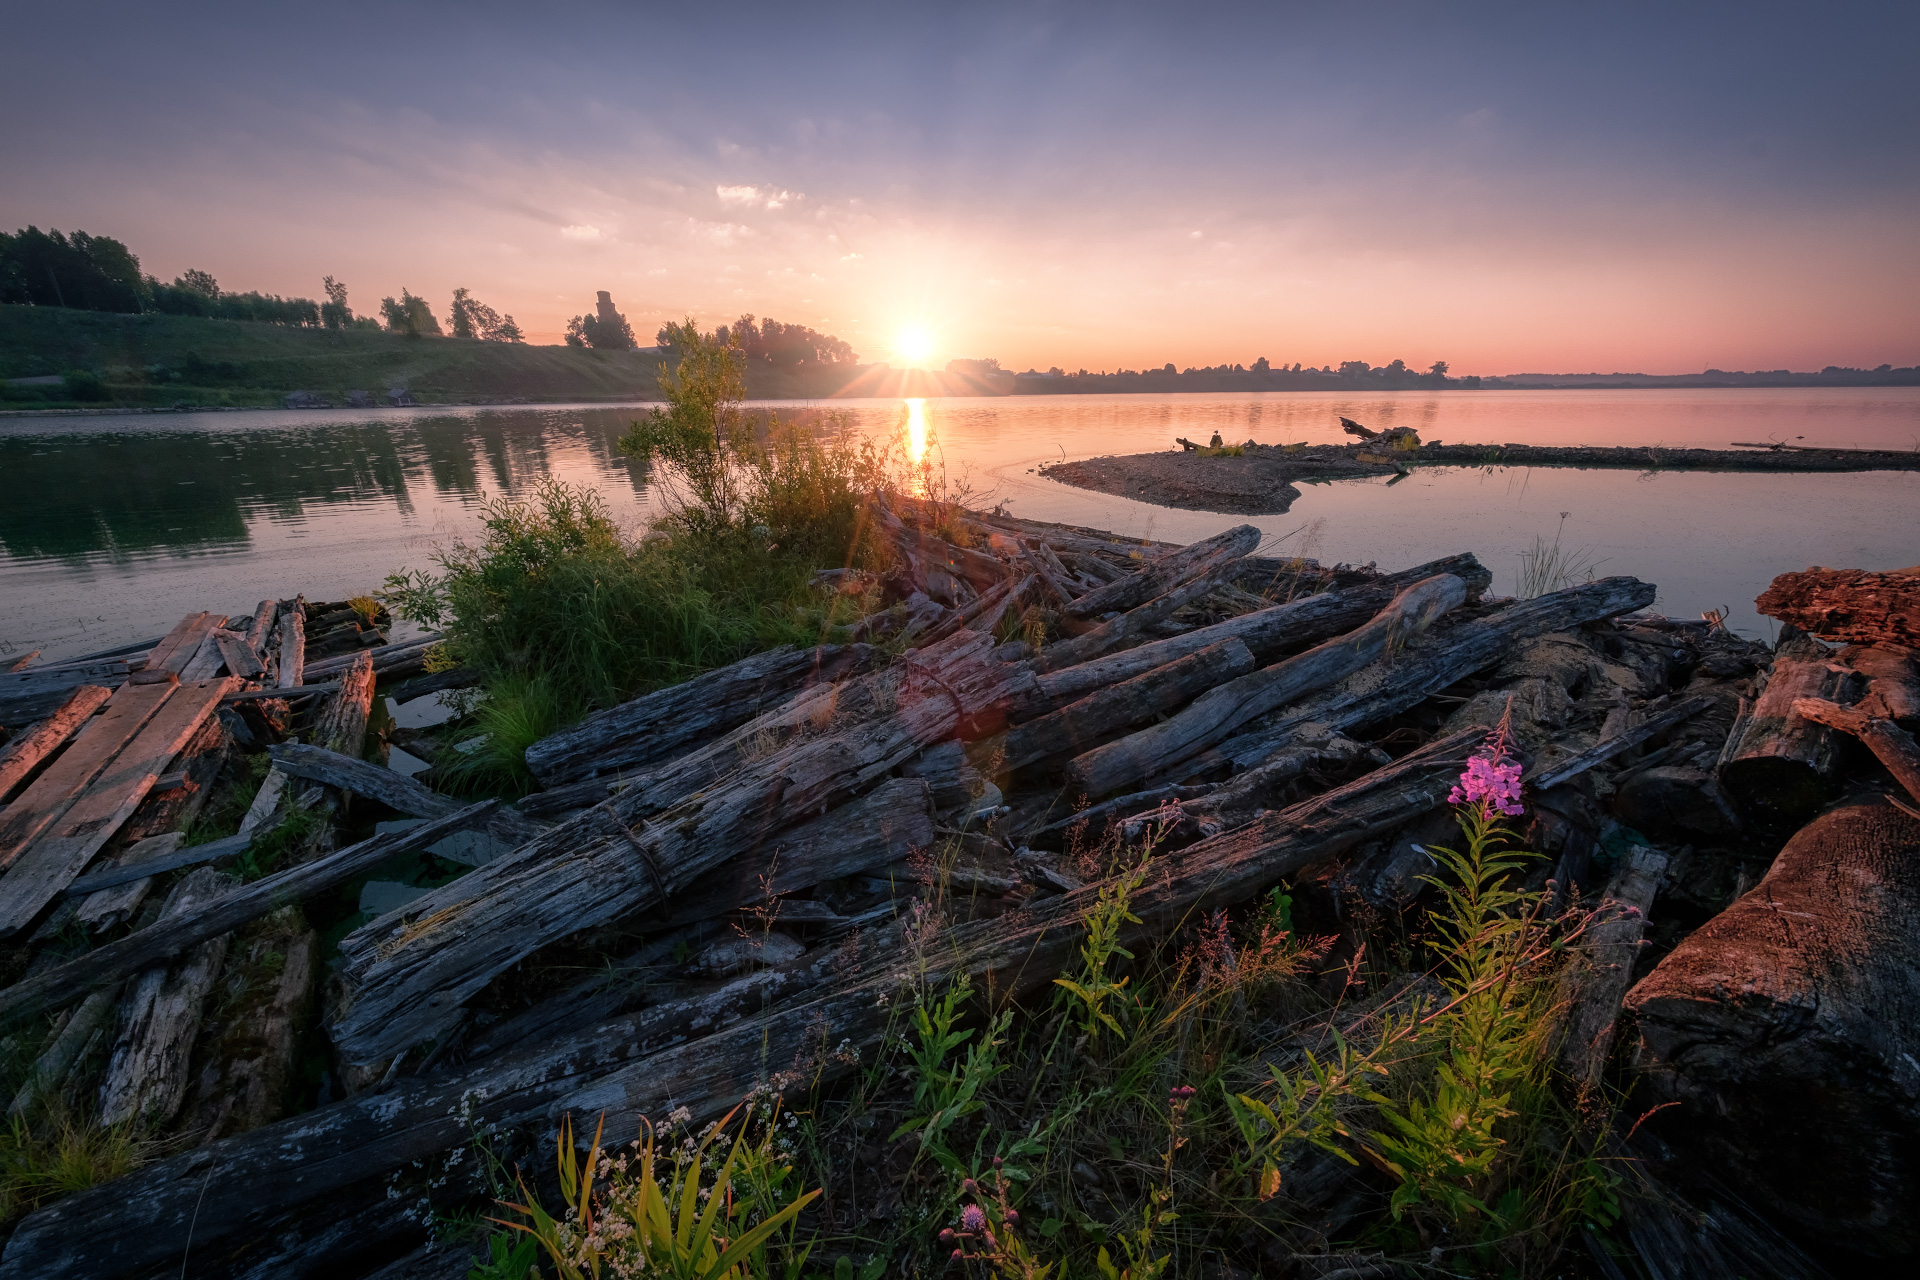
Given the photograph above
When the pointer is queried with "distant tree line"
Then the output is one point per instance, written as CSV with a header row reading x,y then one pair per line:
x,y
784,346
1262,373
98,273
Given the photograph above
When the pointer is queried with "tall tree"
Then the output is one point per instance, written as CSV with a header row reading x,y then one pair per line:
x,y
410,316
334,312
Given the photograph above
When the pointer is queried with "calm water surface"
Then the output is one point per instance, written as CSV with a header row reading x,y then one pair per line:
x,y
112,527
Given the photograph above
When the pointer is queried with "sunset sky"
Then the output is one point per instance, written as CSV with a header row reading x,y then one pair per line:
x,y
1508,187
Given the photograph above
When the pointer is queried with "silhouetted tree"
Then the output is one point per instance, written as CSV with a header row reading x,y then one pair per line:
x,y
472,318
87,273
410,315
334,312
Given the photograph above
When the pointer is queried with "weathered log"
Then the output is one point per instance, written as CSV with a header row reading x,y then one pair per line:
x,y
1240,800
341,722
24,661
142,948
209,657
1435,662
319,690
157,858
1891,745
1214,716
146,1077
132,878
24,754
1093,821
1848,604
395,790
1129,627
1788,1027
250,1061
1784,763
404,657
1100,714
461,677
144,1218
659,725
407,983
1893,682
1160,576
260,627
38,692
1269,633
293,645
1599,979
1603,751
166,660
49,1071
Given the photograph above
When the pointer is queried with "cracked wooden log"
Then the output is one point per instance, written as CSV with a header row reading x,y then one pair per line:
x,y
1891,745
1243,798
1599,979
1157,577
249,1063
1434,662
1215,715
146,1079
293,644
1848,604
1785,764
1605,750
144,947
395,790
49,1071
659,725
407,975
1269,633
341,723
1893,682
1788,1028
1207,576
1098,715
824,1025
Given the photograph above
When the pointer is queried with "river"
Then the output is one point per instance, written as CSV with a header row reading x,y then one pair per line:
x,y
112,527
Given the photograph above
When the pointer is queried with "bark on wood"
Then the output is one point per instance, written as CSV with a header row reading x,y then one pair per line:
x,y
1893,682
247,1077
293,646
1891,745
1603,751
1164,574
395,790
145,947
341,723
238,655
663,724
1269,633
49,1071
1784,763
66,779
1789,1028
1600,978
24,754
62,851
1131,626
1436,662
1099,715
35,694
1848,604
144,1219
261,627
407,982
1215,715
146,1078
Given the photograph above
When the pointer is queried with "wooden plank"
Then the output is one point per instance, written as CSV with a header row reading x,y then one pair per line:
x,y
238,655
53,792
395,790
62,852
174,651
304,691
22,663
24,754
136,863
156,856
293,645
387,658
34,694
208,658
144,947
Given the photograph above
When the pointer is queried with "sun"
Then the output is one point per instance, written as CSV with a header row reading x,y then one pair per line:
x,y
914,345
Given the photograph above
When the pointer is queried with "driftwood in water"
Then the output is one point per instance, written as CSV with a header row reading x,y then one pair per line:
x,y
144,1219
660,725
341,723
1893,682
406,985
1603,751
64,848
1073,727
1604,970
1784,763
146,1076
158,942
1157,577
293,645
395,790
250,1064
1215,715
1269,633
1891,745
1788,1028
1848,604
24,754
1436,662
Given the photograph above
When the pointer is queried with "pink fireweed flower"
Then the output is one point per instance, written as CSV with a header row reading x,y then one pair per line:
x,y
973,1218
1492,781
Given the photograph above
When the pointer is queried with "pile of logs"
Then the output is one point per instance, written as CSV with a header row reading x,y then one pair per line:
x,y
738,857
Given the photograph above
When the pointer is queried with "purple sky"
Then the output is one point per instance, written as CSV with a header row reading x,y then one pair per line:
x,y
1507,187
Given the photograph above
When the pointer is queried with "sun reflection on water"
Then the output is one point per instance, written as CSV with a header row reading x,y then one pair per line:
x,y
917,432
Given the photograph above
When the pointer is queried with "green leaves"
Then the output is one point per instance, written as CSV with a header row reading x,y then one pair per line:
x,y
942,1095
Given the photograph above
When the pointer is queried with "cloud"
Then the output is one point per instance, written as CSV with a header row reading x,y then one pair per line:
x,y
766,198
580,231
